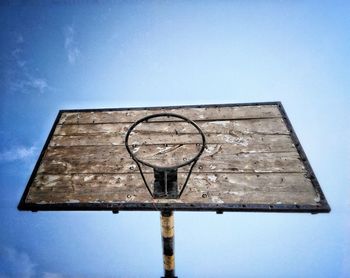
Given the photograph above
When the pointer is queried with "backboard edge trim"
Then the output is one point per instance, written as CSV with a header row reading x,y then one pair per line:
x,y
177,207
22,204
323,201
172,107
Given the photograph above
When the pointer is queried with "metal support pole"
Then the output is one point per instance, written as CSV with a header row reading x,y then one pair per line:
x,y
167,222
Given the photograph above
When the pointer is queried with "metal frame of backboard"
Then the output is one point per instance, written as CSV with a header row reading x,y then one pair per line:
x,y
321,207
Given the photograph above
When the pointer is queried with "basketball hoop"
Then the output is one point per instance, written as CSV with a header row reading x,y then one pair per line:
x,y
165,178
83,163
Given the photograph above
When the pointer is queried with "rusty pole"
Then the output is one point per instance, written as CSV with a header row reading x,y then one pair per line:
x,y
167,223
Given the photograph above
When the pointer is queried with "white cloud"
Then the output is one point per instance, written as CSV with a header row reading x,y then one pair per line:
x,y
52,275
16,52
30,83
18,153
40,84
15,263
20,77
20,38
73,51
21,63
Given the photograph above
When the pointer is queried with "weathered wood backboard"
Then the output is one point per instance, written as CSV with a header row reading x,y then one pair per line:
x,y
253,161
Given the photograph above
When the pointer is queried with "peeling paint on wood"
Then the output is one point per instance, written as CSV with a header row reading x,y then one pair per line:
x,y
118,140
95,162
245,126
195,114
224,187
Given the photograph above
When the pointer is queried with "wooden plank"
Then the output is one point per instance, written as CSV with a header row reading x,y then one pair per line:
x,y
194,114
219,162
261,126
115,140
61,157
217,188
162,151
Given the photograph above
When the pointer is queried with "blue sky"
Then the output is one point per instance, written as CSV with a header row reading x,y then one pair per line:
x,y
94,54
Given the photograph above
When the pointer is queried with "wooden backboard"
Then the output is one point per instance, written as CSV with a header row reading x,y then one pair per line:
x,y
253,161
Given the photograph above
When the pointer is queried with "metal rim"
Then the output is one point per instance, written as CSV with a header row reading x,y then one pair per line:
x,y
195,158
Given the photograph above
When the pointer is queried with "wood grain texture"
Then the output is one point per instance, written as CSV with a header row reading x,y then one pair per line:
x,y
102,156
262,126
195,114
249,158
269,188
118,140
219,162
